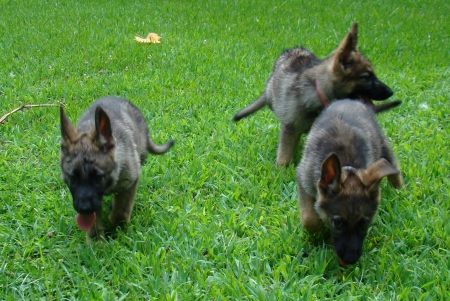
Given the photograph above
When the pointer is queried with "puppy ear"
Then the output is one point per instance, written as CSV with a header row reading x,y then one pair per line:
x,y
68,132
344,53
103,131
375,172
330,177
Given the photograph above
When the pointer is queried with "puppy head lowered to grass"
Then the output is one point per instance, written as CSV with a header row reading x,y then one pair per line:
x,y
348,199
345,157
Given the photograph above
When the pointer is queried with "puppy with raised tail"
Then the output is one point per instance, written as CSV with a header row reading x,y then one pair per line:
x,y
103,155
301,85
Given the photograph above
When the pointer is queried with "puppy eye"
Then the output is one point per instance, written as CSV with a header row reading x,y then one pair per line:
x,y
364,223
96,175
365,75
74,176
338,223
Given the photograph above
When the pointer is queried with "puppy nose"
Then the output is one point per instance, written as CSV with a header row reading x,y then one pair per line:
x,y
385,91
352,255
85,206
389,92
85,200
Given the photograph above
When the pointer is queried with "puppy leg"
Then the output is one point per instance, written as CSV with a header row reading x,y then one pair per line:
x,y
387,153
310,219
98,231
289,137
122,205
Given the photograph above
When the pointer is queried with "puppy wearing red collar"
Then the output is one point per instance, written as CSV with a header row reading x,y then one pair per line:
x,y
301,85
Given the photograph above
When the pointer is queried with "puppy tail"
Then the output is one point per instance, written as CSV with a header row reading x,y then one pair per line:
x,y
252,108
156,149
385,106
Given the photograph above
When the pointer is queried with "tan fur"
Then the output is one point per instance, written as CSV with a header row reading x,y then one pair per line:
x,y
103,156
292,95
345,157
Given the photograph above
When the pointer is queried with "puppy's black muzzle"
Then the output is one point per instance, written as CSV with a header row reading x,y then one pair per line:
x,y
377,90
86,199
349,247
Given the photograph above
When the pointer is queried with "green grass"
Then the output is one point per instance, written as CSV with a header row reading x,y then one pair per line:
x,y
214,219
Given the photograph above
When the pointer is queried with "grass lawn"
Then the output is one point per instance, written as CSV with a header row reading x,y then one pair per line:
x,y
214,218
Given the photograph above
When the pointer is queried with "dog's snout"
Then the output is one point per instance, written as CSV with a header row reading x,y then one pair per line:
x,y
352,255
388,92
86,199
85,206
379,91
353,250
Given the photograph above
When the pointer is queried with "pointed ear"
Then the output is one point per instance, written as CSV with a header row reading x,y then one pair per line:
x,y
375,172
344,53
330,177
103,131
68,132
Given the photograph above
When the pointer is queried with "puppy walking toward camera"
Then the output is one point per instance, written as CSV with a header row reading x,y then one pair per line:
x,y
345,157
103,156
301,85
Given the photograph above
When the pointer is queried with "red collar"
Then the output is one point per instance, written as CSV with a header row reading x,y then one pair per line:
x,y
322,97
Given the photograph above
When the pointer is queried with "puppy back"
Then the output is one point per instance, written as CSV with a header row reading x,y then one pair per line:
x,y
347,128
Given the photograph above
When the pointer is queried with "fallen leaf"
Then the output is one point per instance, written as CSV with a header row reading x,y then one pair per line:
x,y
152,38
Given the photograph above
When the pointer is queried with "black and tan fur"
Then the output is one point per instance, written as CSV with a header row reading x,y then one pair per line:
x,y
103,156
345,157
298,77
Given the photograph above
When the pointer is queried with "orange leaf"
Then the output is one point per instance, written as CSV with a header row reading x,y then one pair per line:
x,y
152,38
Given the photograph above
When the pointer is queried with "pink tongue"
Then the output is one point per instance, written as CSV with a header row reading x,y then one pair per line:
x,y
342,263
85,221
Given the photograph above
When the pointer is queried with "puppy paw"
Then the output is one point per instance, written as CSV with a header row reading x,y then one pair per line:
x,y
95,234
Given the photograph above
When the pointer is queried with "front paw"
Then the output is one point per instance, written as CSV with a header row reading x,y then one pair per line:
x,y
95,234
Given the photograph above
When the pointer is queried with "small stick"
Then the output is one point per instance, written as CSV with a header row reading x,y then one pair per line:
x,y
2,120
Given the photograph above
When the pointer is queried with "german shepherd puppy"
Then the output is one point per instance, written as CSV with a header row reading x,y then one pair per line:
x,y
103,156
301,86
345,157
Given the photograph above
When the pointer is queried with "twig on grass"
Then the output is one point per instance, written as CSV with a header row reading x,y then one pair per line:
x,y
2,120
